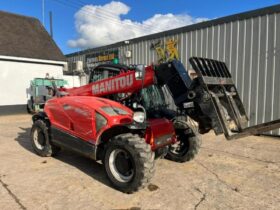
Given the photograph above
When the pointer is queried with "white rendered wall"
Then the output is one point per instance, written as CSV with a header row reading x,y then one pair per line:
x,y
15,79
73,81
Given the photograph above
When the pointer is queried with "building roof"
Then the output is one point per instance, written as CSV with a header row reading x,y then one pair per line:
x,y
22,36
197,26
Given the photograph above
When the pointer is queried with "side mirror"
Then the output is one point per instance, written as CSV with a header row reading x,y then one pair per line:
x,y
139,72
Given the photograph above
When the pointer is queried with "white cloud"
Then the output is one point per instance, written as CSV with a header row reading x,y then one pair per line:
x,y
101,25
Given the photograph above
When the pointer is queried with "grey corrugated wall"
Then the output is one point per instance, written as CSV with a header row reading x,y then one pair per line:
x,y
251,49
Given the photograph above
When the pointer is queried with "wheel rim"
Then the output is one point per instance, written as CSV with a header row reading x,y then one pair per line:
x,y
39,139
121,165
181,147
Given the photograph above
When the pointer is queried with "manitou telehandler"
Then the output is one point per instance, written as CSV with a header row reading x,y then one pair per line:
x,y
121,117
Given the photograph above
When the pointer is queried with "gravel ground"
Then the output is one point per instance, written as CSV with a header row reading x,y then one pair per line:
x,y
240,174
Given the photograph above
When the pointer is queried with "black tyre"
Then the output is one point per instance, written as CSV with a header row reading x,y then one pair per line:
x,y
40,140
28,109
185,149
129,162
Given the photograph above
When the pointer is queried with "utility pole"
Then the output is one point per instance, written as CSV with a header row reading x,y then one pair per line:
x,y
51,24
43,12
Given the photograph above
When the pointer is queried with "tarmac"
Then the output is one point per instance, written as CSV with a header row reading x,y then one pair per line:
x,y
237,174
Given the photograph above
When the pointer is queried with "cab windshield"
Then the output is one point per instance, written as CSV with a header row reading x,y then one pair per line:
x,y
153,98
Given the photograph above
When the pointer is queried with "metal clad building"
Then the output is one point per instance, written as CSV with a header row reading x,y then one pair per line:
x,y
248,42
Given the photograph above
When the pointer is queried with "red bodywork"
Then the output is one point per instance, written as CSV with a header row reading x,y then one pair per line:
x,y
160,132
77,116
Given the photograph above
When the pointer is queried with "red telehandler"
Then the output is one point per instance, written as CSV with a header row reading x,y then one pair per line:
x,y
121,117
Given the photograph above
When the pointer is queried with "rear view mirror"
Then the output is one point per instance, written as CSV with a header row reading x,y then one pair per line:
x,y
139,71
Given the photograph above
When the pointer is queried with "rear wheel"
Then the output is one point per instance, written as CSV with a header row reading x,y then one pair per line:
x,y
129,162
40,140
185,149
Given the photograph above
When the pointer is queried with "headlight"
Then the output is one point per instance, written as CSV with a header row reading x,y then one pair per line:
x,y
139,117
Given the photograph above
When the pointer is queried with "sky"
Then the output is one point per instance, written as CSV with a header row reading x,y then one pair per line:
x,y
82,24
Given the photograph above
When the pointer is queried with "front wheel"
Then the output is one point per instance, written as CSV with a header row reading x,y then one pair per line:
x,y
40,140
185,148
129,162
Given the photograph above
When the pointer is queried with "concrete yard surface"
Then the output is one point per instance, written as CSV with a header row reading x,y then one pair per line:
x,y
239,174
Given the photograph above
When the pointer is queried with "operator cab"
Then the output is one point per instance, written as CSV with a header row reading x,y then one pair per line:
x,y
105,71
152,98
